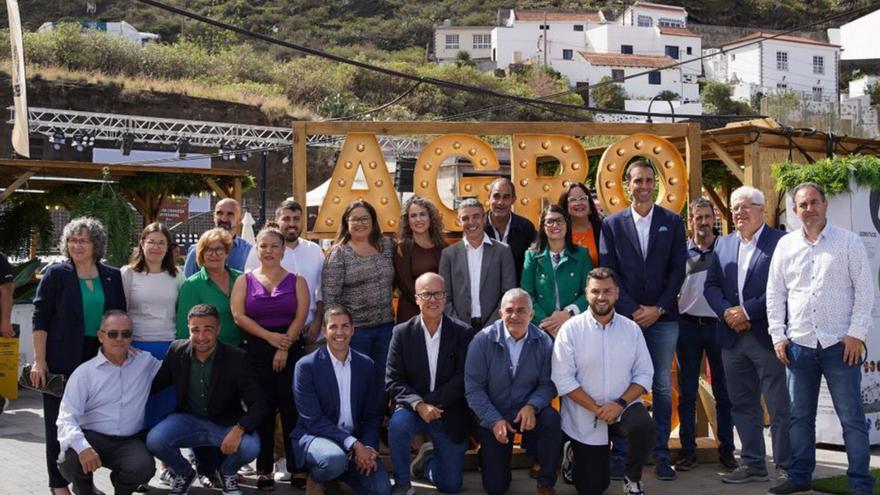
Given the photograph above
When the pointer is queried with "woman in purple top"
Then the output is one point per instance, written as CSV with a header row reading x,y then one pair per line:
x,y
270,304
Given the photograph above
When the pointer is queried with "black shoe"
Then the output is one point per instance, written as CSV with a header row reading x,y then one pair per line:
x,y
728,460
686,463
181,483
789,487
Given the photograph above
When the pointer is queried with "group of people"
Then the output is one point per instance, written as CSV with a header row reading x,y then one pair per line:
x,y
489,331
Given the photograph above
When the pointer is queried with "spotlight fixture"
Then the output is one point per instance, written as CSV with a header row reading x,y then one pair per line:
x,y
182,147
227,151
127,143
244,155
79,141
57,139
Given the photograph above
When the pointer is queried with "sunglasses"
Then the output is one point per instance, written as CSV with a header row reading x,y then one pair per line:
x,y
118,334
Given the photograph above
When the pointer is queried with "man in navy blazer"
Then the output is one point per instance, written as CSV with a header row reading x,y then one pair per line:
x,y
425,379
340,410
736,288
646,246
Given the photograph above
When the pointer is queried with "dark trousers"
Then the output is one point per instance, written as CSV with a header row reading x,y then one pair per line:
x,y
126,457
543,442
693,340
591,467
278,389
51,404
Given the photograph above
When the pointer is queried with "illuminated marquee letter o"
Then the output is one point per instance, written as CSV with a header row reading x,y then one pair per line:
x,y
672,174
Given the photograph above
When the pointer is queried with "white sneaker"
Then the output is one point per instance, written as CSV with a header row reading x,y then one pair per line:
x,y
280,470
246,470
632,487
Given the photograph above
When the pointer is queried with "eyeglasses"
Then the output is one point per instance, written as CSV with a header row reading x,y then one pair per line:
x,y
579,199
738,208
153,243
554,221
218,251
427,296
79,242
360,220
117,334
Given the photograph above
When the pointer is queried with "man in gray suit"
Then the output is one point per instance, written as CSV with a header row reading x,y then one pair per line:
x,y
476,271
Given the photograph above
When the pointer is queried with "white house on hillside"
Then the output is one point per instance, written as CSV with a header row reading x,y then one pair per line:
x,y
522,37
449,40
858,38
791,63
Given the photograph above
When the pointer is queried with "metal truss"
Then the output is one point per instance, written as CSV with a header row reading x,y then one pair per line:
x,y
165,131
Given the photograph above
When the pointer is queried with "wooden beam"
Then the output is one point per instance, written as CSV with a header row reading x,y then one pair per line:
x,y
15,185
720,204
725,158
118,170
300,162
237,190
694,161
216,188
492,128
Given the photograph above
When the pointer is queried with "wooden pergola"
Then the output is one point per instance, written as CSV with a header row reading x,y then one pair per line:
x,y
53,174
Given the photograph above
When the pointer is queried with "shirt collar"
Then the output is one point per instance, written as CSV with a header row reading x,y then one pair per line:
x,y
102,359
486,240
425,327
338,362
637,217
594,322
826,231
509,338
754,237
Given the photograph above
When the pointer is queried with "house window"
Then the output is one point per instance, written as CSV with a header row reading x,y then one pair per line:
x,y
672,51
781,86
817,93
689,50
578,27
617,74
567,54
626,49
452,42
544,27
645,21
654,77
482,41
818,64
781,60
673,23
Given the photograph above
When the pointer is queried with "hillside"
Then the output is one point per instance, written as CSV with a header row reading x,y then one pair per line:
x,y
391,24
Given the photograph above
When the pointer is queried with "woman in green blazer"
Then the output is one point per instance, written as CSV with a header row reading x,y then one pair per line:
x,y
555,272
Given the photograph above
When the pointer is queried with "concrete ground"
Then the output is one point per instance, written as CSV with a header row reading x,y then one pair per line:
x,y
23,466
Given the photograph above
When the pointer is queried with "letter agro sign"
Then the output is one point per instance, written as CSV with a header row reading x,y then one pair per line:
x,y
361,151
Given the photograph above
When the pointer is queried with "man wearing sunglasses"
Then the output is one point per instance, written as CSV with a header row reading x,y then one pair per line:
x,y
425,379
102,412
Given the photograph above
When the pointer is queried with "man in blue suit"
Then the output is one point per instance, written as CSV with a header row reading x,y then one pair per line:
x,y
647,247
736,289
340,410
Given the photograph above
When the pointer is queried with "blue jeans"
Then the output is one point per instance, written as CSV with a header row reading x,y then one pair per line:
x,y
444,469
661,338
374,343
845,384
182,430
693,340
326,461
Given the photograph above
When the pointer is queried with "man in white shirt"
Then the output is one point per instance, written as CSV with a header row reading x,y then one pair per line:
x,y
302,257
601,367
476,271
102,412
819,302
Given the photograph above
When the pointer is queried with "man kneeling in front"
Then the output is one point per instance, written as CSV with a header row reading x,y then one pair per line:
x,y
211,380
102,413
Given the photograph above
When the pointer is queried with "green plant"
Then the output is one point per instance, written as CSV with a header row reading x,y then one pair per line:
x,y
24,215
717,98
874,93
23,282
833,174
609,95
115,213
668,95
463,59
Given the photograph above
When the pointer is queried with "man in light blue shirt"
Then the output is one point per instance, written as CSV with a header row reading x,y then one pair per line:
x,y
227,215
102,412
507,385
601,367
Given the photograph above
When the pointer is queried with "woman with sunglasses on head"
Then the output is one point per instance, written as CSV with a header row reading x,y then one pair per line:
x,y
151,282
270,305
555,272
419,244
586,223
71,299
359,274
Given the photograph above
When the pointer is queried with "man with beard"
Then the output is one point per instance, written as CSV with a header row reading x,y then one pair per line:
x,y
227,215
601,367
506,226
302,257
697,334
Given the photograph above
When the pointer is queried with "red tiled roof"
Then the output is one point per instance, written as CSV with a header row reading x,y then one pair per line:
x,y
792,39
626,60
659,6
538,15
678,32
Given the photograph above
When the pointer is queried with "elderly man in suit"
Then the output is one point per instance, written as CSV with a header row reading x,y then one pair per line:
x,y
476,271
425,379
646,246
340,410
505,225
736,289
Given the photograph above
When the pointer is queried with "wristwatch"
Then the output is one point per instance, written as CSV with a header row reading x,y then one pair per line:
x,y
621,402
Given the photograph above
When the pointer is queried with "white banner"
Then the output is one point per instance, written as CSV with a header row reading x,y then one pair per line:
x,y
858,211
20,138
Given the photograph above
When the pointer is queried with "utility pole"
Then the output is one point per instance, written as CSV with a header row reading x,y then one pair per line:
x,y
546,28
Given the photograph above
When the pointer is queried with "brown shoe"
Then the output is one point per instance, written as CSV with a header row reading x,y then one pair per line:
x,y
534,471
545,490
313,487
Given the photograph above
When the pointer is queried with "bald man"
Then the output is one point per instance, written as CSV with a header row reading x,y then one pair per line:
x,y
227,215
